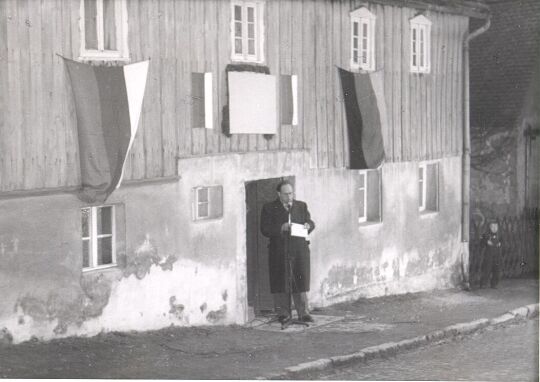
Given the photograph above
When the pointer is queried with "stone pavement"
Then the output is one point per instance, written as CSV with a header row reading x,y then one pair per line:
x,y
247,353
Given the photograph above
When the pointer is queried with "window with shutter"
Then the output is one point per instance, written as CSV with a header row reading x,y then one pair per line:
x,y
362,39
103,30
207,202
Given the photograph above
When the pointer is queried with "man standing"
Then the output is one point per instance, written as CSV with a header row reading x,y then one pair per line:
x,y
276,220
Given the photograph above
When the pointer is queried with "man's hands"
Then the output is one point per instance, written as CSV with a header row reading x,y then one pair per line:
x,y
285,227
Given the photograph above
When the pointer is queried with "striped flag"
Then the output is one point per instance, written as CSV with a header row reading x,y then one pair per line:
x,y
108,103
365,111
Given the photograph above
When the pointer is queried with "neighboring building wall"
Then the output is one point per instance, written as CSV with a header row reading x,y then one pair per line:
x,y
38,136
172,270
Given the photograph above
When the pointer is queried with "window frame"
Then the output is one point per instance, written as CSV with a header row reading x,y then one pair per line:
x,y
259,31
210,206
94,237
363,16
121,24
418,25
429,170
367,187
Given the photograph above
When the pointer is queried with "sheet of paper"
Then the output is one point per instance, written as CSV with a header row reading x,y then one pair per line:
x,y
298,230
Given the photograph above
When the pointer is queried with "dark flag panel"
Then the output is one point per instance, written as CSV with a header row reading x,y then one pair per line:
x,y
364,110
108,103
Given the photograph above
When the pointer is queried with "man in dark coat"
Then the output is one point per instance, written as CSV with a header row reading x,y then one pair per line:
x,y
491,255
276,219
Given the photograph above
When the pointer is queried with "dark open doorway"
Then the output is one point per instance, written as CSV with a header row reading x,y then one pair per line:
x,y
259,192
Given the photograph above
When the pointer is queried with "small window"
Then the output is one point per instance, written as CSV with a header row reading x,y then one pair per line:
x,y
428,187
207,202
420,45
369,196
362,39
103,30
202,105
98,237
247,31
289,100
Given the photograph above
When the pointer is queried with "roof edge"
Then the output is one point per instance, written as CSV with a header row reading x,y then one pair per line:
x,y
475,9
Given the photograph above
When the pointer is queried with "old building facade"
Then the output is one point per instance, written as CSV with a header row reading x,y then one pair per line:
x,y
177,242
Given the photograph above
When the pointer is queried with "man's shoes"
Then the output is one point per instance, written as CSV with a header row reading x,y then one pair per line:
x,y
283,318
306,318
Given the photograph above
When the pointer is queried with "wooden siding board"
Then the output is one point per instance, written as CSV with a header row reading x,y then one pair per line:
x,y
224,58
405,87
198,46
308,74
320,85
445,88
36,95
4,122
436,67
396,84
388,80
70,168
272,25
337,127
285,64
463,30
24,92
330,85
168,90
212,66
345,59
296,25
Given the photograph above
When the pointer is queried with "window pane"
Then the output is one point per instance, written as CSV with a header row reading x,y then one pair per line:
x,y
355,29
355,56
104,251
251,30
361,204
85,215
238,12
90,24
202,210
414,34
109,25
355,43
86,253
238,46
251,47
251,14
364,29
238,29
202,195
197,100
104,220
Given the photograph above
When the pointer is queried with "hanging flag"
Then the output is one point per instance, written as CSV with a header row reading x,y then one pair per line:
x,y
365,111
108,103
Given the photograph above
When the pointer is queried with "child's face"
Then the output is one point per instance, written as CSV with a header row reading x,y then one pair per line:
x,y
493,227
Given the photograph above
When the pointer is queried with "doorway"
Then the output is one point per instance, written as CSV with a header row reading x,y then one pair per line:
x,y
259,192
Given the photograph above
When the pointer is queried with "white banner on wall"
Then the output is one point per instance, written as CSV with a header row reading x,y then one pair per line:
x,y
252,103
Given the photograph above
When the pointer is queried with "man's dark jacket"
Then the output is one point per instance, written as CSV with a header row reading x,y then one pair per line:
x,y
273,215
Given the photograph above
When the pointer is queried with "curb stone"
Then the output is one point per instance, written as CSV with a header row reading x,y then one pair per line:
x,y
391,348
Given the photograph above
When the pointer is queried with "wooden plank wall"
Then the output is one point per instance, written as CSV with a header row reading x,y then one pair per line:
x,y
309,38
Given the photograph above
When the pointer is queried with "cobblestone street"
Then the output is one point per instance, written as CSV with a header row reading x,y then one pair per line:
x,y
507,353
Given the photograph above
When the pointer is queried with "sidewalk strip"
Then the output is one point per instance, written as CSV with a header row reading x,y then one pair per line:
x,y
392,348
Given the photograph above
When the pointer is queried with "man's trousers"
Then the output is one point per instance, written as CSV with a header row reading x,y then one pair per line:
x,y
281,303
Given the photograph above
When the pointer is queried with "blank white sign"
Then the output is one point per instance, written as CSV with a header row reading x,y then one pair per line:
x,y
252,103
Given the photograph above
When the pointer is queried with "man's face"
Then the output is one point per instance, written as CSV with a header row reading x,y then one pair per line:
x,y
286,194
493,227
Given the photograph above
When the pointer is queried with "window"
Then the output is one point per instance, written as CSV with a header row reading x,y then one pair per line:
x,y
104,32
428,187
207,202
289,100
362,39
201,100
98,237
369,196
420,45
247,31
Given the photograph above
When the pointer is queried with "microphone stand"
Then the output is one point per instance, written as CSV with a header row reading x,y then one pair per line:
x,y
289,276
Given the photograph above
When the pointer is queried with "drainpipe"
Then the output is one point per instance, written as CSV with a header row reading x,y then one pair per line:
x,y
466,160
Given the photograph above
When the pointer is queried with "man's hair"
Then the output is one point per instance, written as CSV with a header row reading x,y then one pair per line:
x,y
283,183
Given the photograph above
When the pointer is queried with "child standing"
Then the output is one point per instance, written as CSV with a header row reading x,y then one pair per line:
x,y
491,255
